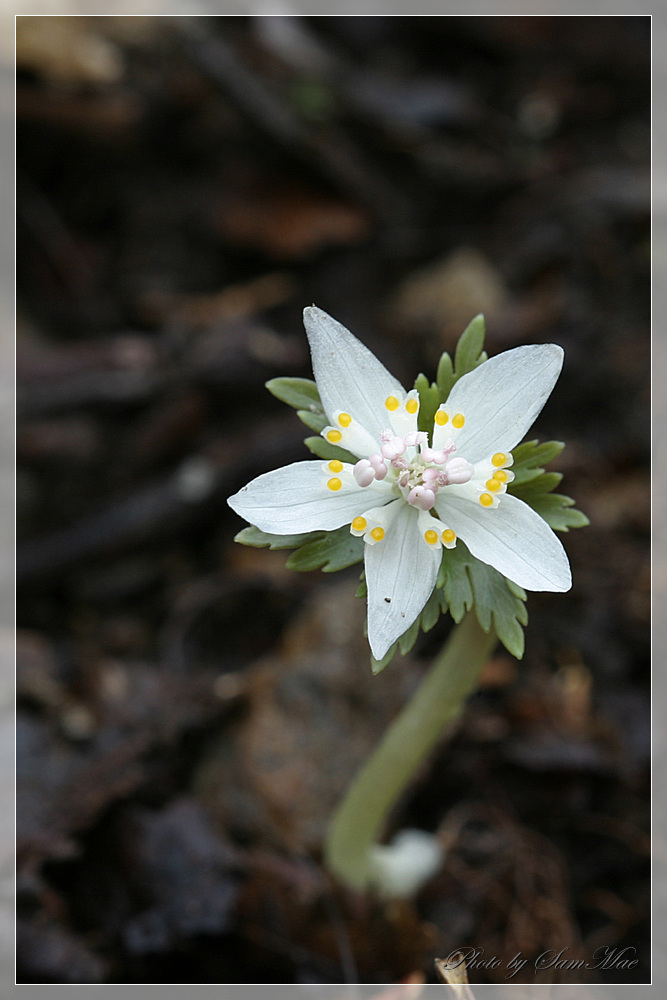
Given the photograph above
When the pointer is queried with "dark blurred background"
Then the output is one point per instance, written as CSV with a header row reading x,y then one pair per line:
x,y
190,712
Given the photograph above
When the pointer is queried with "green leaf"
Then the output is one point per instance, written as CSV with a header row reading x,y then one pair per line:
x,y
262,539
445,378
332,551
324,449
429,401
469,355
469,347
498,605
456,584
434,607
531,457
377,666
301,393
558,511
316,421
535,486
543,482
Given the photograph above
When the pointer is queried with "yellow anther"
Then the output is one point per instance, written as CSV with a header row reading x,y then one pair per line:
x,y
412,405
344,419
335,466
458,420
334,436
359,523
377,534
441,417
501,476
499,459
486,500
493,485
334,484
448,536
391,403
431,536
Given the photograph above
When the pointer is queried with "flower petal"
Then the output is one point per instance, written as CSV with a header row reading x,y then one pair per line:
x,y
501,399
510,537
400,573
296,499
348,376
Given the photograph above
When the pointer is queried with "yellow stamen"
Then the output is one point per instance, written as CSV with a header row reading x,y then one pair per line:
x,y
448,536
359,523
377,534
391,403
458,421
499,459
431,536
334,436
501,476
493,485
335,466
334,484
486,500
344,419
412,406
441,418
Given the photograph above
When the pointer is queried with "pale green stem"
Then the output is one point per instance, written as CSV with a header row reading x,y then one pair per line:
x,y
439,699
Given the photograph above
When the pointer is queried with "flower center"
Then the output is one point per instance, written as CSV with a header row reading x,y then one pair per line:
x,y
417,470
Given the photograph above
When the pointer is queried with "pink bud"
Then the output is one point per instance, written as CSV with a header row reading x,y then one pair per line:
x,y
421,497
414,438
458,471
363,472
377,463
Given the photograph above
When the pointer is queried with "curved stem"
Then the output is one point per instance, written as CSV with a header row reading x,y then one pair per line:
x,y
439,699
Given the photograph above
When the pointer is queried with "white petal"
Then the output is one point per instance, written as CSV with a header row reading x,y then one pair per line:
x,y
354,437
501,399
296,498
400,573
510,537
401,421
348,376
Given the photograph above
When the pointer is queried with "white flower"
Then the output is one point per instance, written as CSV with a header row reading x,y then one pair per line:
x,y
406,497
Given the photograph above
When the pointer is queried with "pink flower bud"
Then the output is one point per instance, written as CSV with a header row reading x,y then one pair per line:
x,y
421,497
458,471
363,472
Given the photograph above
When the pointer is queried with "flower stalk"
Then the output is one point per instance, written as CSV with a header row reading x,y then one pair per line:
x,y
438,701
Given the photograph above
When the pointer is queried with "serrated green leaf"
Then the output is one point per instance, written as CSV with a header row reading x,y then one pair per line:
x,y
262,539
333,551
409,637
377,666
445,377
558,511
497,606
535,486
429,401
455,581
497,602
532,455
316,421
324,449
301,393
543,482
433,608
469,347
